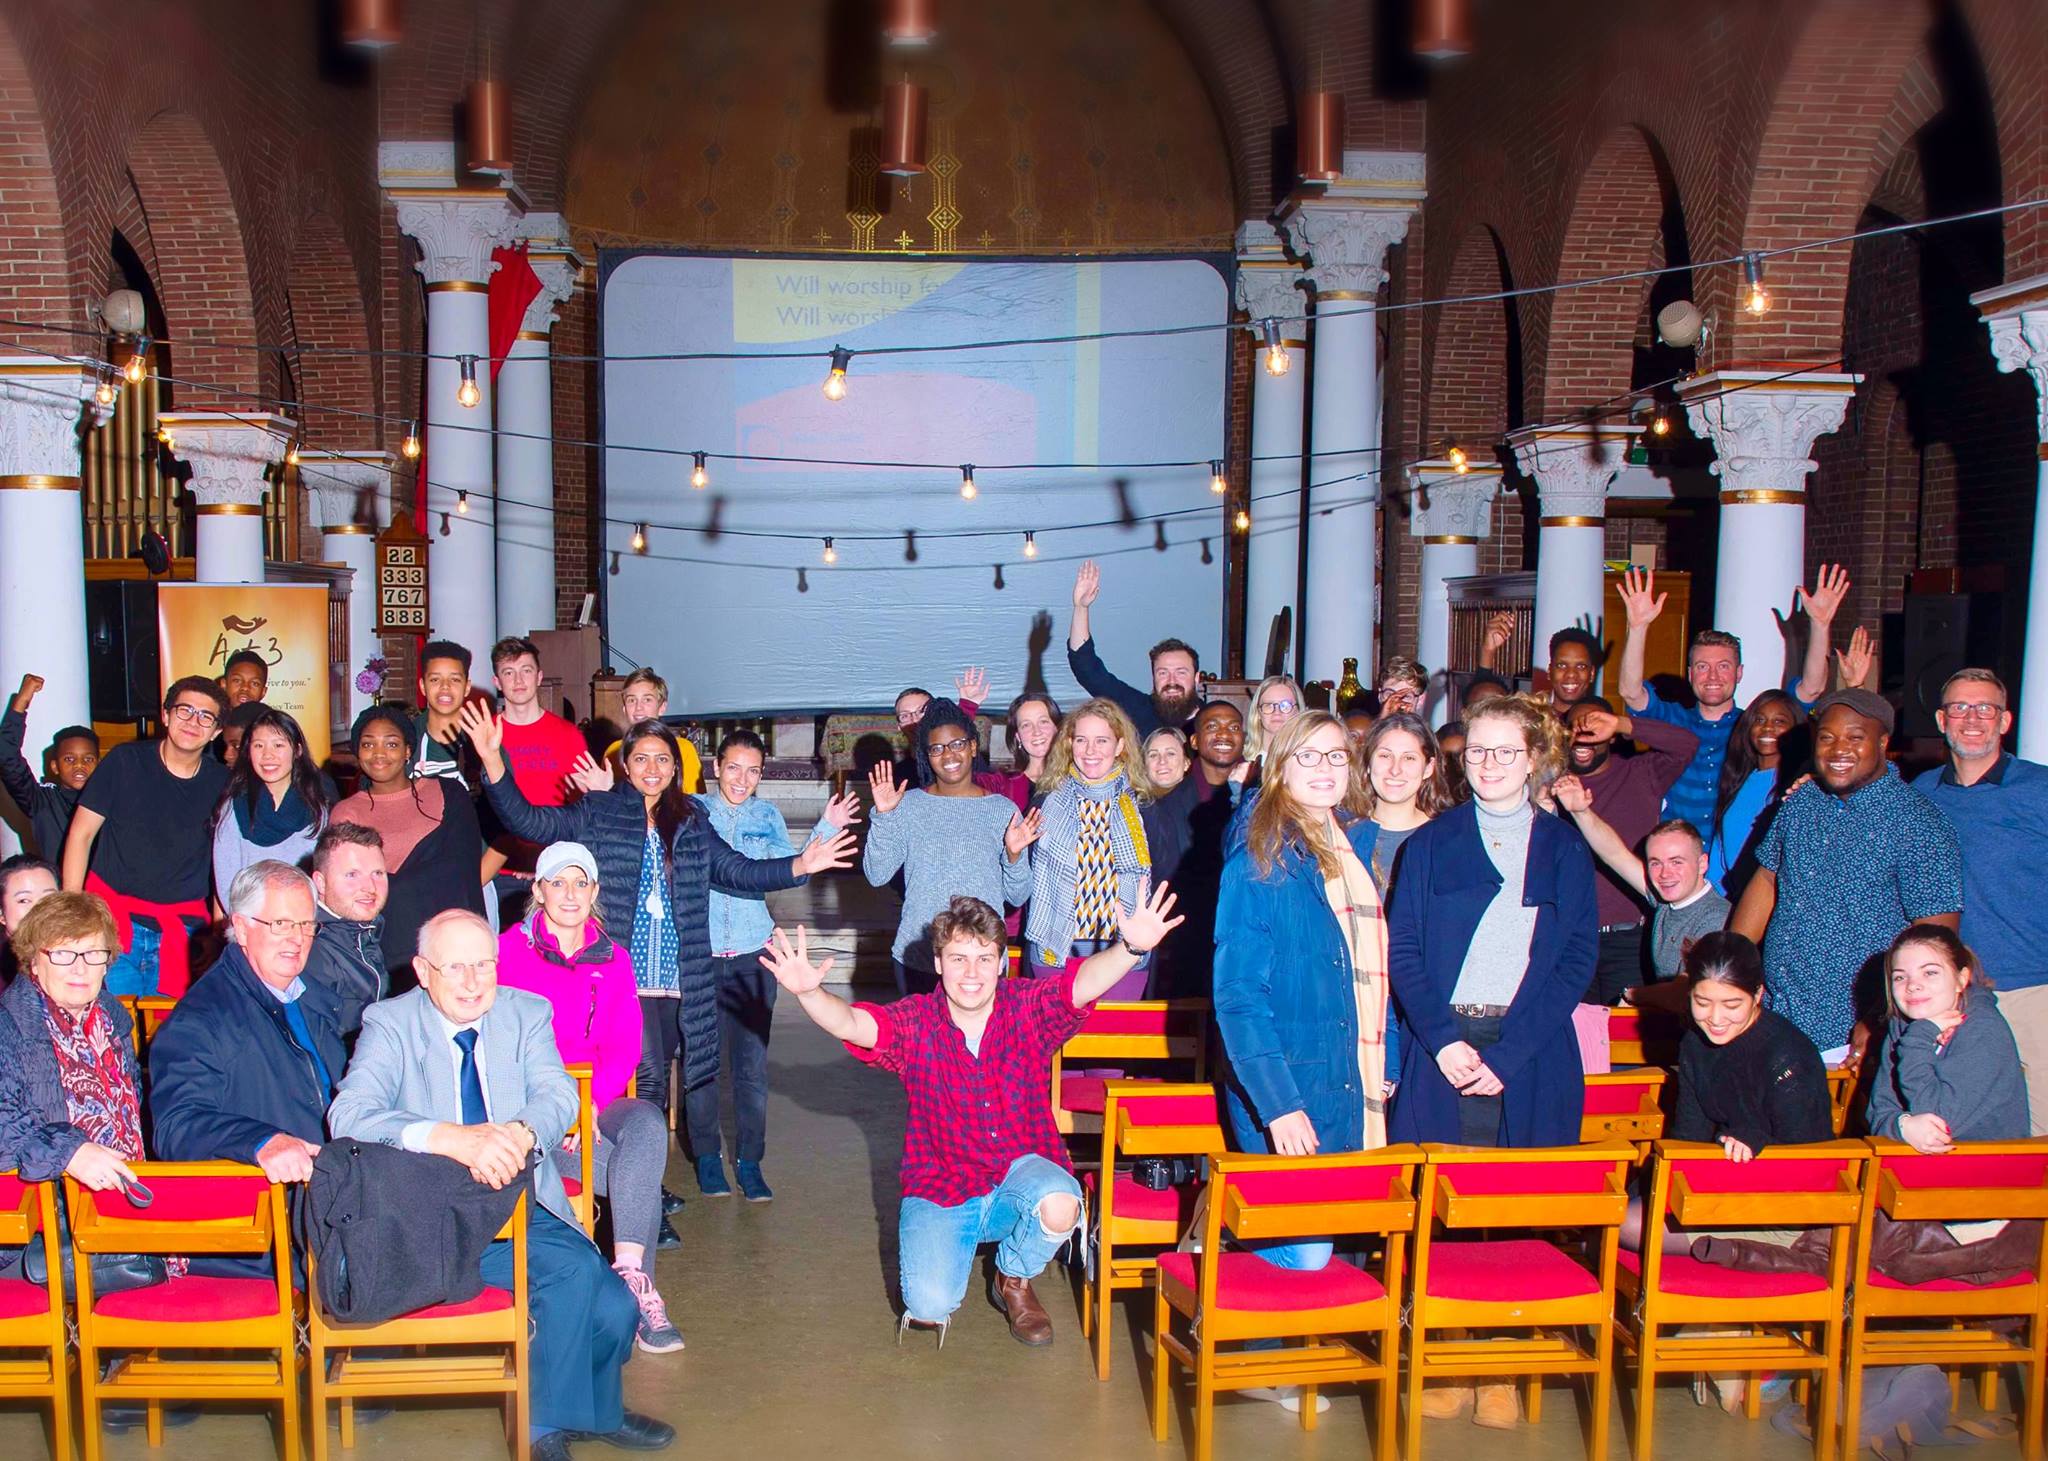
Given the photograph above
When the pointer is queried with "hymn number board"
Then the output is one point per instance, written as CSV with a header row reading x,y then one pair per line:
x,y
401,578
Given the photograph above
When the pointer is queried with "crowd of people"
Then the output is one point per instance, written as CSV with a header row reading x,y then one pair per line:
x,y
1396,926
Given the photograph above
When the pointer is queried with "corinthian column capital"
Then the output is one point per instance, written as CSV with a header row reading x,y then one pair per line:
x,y
456,231
1763,423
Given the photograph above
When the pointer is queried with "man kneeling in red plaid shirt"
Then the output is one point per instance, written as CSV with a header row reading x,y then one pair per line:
x,y
982,1161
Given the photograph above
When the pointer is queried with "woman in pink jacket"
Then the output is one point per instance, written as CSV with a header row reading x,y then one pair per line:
x,y
561,952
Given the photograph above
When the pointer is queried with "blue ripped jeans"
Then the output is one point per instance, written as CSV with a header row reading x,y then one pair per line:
x,y
936,1244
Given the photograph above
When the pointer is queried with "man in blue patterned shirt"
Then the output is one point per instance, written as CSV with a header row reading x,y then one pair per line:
x,y
1851,859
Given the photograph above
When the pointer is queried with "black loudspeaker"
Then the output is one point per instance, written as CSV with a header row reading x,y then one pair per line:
x,y
1945,632
126,678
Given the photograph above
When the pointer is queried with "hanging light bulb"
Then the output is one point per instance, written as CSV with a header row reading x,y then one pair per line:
x,y
999,575
468,393
699,478
1159,543
1660,425
1243,521
1758,299
639,537
291,453
410,447
136,371
445,531
1217,483
1030,545
1458,460
1277,358
1207,556
104,394
163,435
831,553
462,501
803,584
613,570
967,488
835,379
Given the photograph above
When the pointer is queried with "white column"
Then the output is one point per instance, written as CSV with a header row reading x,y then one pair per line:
x,y
1268,289
456,231
1762,422
230,456
2017,317
349,492
1572,467
42,541
1453,510
526,447
1343,236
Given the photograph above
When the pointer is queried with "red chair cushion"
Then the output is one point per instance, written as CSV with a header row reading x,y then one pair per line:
x,y
573,1186
19,1298
1968,1169
1315,1184
1168,1110
1621,1098
11,1189
1129,1022
1796,1174
1623,1023
1082,1093
489,1301
1510,1178
193,1300
1947,1285
188,1199
1699,1280
1247,1281
1142,1203
1515,1270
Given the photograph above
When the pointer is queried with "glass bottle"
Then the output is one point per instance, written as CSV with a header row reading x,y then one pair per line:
x,y
1350,693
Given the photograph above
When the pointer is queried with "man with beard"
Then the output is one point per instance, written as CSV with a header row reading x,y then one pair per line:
x,y
1188,831
1852,857
1176,679
1626,792
1713,667
1998,806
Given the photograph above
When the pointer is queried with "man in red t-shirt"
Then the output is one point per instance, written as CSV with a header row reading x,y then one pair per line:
x,y
541,748
982,1160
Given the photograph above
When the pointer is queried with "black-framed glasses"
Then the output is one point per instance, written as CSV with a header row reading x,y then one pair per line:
x,y
196,715
286,927
1498,755
958,743
1310,756
1277,707
65,958
1971,710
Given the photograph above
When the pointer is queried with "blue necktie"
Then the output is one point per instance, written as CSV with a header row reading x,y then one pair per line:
x,y
473,1112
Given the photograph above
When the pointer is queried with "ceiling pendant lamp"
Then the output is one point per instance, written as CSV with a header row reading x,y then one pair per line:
x,y
489,117
1443,29
910,23
1319,137
370,25
903,109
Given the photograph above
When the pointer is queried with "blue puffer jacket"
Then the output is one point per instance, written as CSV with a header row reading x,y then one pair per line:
x,y
1284,1001
36,1134
613,825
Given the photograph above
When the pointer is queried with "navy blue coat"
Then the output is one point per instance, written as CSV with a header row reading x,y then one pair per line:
x,y
225,1074
36,1133
1446,883
1284,1001
613,825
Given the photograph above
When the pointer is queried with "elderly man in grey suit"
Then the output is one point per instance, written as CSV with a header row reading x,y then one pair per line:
x,y
466,1070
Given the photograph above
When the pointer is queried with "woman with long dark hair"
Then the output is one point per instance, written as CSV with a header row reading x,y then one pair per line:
x,y
1033,722
1754,774
1405,787
275,802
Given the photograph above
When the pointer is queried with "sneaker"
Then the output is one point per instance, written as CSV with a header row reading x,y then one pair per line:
x,y
752,1186
1287,1397
711,1177
655,1334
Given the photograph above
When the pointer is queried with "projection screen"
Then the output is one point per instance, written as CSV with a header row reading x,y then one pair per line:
x,y
715,601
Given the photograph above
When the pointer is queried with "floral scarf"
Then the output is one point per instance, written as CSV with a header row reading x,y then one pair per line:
x,y
100,1097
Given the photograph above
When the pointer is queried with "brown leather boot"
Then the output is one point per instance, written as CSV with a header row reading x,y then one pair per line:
x,y
1029,1323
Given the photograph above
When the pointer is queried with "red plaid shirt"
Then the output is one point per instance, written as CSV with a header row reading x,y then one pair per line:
x,y
971,1117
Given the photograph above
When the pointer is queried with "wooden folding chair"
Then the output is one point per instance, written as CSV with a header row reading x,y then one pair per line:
x,y
582,1188
1791,1321
200,1209
1228,1296
1625,1104
474,1348
1148,1029
1516,1282
1841,1096
1974,1182
32,1314
1141,1119
148,1013
1643,1037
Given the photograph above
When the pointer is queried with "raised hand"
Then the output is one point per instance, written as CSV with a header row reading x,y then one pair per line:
x,y
883,788
826,855
1571,794
971,684
29,685
1853,663
486,732
1638,599
1824,600
1596,724
842,811
1022,832
1145,925
791,964
589,775
1500,628
1087,584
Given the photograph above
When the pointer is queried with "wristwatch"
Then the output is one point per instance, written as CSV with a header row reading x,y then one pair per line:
x,y
532,1136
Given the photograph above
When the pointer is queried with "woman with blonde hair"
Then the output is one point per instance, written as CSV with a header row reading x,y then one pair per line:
x,y
1092,856
1274,703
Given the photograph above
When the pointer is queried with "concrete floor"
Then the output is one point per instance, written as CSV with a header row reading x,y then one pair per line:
x,y
788,1312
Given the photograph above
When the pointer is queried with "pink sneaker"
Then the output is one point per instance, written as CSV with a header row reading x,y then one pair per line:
x,y
655,1334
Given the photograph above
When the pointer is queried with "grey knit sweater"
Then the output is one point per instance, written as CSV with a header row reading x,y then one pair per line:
x,y
1499,953
946,846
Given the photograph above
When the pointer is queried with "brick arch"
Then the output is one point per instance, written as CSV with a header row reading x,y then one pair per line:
x,y
1615,226
202,266
324,305
35,278
1473,373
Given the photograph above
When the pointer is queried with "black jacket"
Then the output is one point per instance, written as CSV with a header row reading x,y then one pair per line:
x,y
225,1074
392,1231
47,805
347,958
613,825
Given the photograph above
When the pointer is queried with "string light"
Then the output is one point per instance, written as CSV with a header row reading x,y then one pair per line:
x,y
461,501
291,453
104,394
1460,463
1030,545
410,447
163,435
639,537
1159,543
803,583
1243,521
699,478
445,531
1217,484
967,488
468,393
613,570
831,553
136,371
1277,358
999,575
835,379
1759,299
1660,425
1207,556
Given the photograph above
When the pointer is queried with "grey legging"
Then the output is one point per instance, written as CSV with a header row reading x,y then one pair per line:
x,y
632,1150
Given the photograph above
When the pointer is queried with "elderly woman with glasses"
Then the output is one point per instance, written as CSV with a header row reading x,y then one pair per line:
x,y
70,1090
